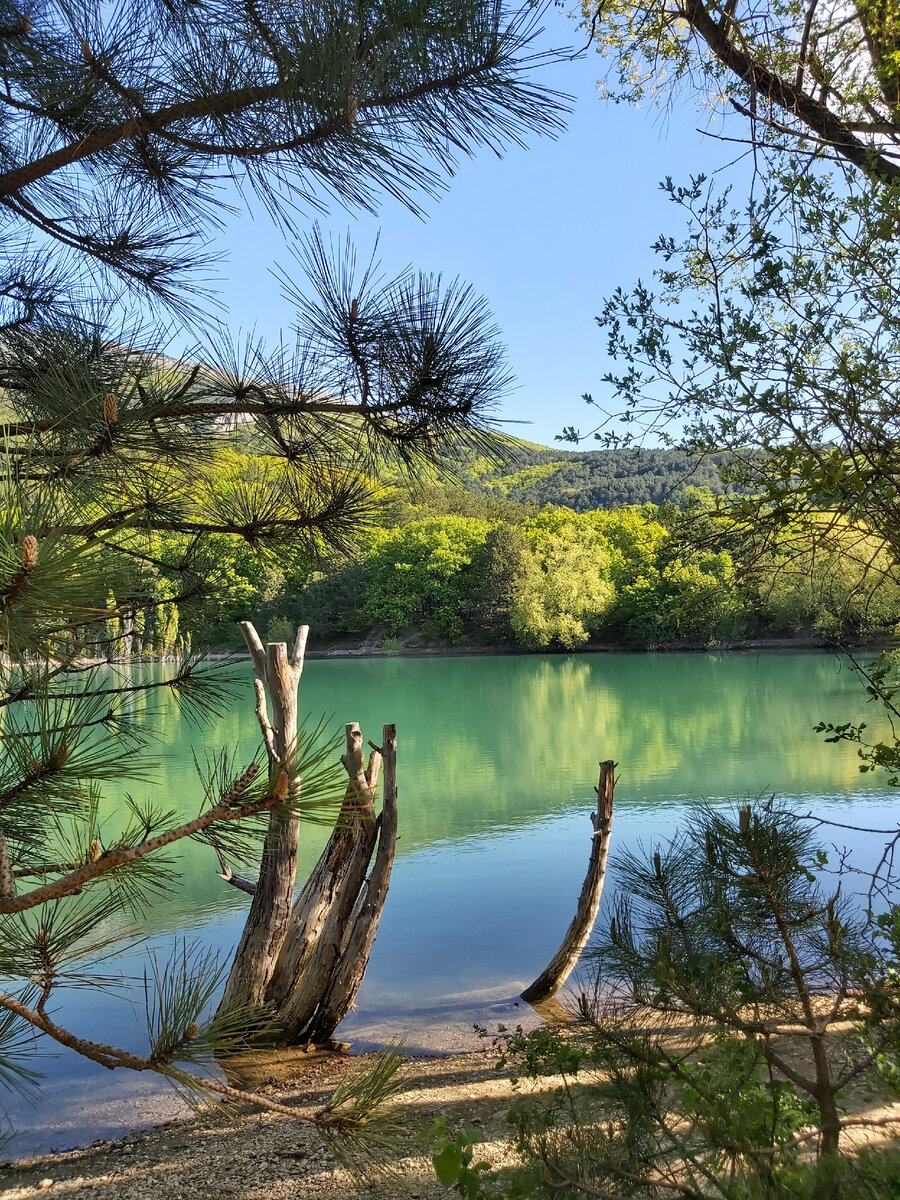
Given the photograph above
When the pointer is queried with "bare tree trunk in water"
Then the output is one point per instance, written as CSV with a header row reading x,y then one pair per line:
x,y
127,632
277,680
360,931
306,960
325,904
563,962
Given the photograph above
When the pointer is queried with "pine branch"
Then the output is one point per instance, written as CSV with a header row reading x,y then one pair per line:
x,y
6,873
17,585
223,104
52,764
112,1057
344,1115
121,856
58,868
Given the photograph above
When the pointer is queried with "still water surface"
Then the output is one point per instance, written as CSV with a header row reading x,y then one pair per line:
x,y
497,762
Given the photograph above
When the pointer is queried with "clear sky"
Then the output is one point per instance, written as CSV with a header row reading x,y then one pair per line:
x,y
544,234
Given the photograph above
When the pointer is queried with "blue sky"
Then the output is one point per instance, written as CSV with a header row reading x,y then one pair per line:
x,y
544,234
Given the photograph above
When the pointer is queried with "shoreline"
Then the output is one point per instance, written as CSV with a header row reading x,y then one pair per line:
x,y
257,1155
371,649
266,1156
125,1105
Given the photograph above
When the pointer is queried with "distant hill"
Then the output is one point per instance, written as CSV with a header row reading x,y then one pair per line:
x,y
508,468
583,479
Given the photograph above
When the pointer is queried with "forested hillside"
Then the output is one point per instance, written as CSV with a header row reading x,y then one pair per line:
x,y
585,480
476,554
484,552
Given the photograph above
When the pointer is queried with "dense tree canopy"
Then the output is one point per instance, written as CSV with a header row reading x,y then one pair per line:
x,y
557,578
582,480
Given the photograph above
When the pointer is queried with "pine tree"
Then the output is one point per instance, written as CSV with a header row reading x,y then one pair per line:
x,y
118,127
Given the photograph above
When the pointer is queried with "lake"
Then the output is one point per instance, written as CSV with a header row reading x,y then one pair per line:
x,y
497,761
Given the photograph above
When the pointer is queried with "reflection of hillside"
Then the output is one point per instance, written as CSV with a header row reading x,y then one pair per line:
x,y
488,742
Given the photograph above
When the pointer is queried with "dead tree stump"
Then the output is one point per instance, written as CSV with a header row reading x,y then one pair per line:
x,y
564,960
305,958
277,681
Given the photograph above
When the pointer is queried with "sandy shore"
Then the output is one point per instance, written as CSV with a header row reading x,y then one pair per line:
x,y
256,1155
263,1156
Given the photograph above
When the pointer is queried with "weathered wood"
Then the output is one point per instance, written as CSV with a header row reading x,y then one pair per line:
x,y
326,903
563,962
362,928
270,910
225,872
127,638
256,648
306,960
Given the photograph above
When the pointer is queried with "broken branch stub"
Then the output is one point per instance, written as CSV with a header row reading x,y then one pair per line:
x,y
565,959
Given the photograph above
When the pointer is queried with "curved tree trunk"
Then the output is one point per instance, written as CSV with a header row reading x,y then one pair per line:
x,y
563,962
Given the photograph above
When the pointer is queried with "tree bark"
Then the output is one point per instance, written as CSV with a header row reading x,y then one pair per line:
x,y
127,632
362,927
278,678
325,904
306,960
563,962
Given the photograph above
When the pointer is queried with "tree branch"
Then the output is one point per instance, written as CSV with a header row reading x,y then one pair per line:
x,y
121,856
817,117
112,1057
215,107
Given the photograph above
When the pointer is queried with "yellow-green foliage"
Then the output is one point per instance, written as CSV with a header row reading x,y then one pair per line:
x,y
567,588
420,574
692,599
527,475
482,466
619,576
828,574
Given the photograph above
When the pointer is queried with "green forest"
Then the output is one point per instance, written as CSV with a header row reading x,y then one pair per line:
x,y
583,480
496,549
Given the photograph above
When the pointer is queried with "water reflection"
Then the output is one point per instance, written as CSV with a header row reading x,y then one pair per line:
x,y
497,765
501,742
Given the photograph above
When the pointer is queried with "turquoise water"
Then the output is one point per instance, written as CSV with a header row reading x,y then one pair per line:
x,y
497,763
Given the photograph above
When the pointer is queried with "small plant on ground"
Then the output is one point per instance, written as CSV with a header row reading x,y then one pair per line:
x,y
452,1153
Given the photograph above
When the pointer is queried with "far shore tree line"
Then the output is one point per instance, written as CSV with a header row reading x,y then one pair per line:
x,y
459,568
626,576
